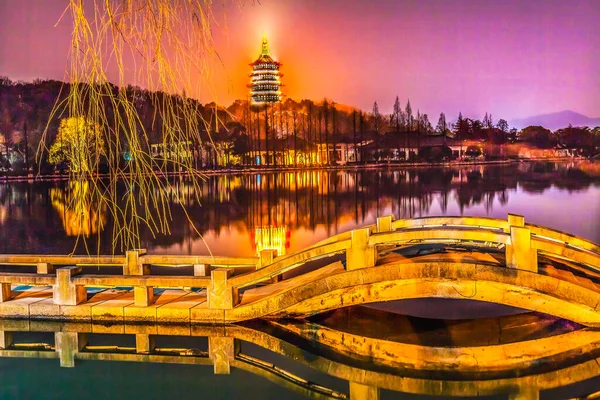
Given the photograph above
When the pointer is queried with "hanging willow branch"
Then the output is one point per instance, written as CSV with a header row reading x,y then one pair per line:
x,y
164,46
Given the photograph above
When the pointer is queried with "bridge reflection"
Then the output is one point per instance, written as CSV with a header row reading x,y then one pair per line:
x,y
523,355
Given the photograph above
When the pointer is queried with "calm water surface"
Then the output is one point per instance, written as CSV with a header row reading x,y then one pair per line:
x,y
236,214
240,214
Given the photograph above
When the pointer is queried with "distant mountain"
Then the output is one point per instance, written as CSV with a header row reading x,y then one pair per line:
x,y
556,120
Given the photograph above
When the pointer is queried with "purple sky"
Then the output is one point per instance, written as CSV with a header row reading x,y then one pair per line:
x,y
511,58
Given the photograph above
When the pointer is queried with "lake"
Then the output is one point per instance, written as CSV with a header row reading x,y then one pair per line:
x,y
238,214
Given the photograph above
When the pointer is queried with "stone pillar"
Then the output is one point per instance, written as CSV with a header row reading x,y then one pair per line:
x,y
221,296
143,296
359,391
68,344
133,265
266,257
144,343
384,224
202,269
519,254
66,293
222,350
516,220
6,339
5,293
45,268
360,254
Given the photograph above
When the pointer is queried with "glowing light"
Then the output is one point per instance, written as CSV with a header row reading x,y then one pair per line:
x,y
272,238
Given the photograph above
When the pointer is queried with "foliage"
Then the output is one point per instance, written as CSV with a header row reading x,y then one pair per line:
x,y
79,144
502,125
576,137
435,154
171,43
537,136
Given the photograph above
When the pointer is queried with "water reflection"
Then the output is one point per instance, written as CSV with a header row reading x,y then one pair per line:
x,y
313,360
79,207
239,214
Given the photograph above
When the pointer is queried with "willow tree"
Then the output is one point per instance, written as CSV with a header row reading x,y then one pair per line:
x,y
79,144
165,47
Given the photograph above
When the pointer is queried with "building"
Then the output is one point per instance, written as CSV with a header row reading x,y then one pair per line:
x,y
265,86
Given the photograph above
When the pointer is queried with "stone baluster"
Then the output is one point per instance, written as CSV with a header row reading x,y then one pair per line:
x,y
519,252
360,254
65,292
143,295
384,224
221,296
45,268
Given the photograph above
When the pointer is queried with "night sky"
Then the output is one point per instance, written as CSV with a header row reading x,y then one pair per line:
x,y
511,58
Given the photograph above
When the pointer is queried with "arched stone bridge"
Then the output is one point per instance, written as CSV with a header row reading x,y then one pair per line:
x,y
506,262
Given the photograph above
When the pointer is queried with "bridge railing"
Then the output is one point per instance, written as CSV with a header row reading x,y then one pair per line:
x,y
69,283
522,243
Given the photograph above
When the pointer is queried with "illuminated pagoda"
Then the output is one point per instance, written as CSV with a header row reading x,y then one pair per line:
x,y
265,86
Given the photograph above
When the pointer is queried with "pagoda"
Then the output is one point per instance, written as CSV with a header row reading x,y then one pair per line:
x,y
265,86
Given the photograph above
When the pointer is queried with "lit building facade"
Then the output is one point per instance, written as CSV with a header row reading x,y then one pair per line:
x,y
265,85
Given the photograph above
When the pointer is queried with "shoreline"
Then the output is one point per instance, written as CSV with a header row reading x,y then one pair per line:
x,y
271,169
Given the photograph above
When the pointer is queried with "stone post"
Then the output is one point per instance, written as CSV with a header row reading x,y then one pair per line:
x,y
143,295
202,269
45,268
6,339
5,293
516,220
144,343
222,350
519,254
360,254
267,257
68,344
133,265
66,293
359,391
384,224
221,296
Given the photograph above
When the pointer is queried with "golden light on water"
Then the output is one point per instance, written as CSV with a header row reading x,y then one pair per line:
x,y
272,238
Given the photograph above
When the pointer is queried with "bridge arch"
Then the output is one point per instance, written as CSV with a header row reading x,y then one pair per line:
x,y
452,280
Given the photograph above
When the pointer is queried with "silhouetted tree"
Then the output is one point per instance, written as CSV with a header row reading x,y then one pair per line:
x,y
396,115
376,119
502,125
441,125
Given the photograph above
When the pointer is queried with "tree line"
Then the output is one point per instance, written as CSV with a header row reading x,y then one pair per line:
x,y
241,131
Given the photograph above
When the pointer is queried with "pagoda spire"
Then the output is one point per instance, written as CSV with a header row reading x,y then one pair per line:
x,y
265,46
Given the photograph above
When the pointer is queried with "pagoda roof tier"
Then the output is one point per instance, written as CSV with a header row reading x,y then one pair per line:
x,y
265,60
